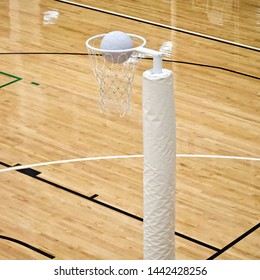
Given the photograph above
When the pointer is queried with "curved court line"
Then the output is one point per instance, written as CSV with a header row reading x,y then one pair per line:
x,y
68,161
28,246
121,157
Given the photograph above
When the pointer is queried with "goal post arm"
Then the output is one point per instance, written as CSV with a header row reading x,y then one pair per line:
x,y
157,58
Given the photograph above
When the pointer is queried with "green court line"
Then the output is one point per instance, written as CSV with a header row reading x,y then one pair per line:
x,y
36,84
17,79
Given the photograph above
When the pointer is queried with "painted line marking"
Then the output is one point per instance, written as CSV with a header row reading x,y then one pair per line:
x,y
218,156
161,25
121,157
69,161
26,245
234,242
16,79
36,84
111,207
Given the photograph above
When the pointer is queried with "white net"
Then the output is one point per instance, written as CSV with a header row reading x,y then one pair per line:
x,y
114,77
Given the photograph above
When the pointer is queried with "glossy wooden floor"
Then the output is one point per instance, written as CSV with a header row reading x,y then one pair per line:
x,y
93,209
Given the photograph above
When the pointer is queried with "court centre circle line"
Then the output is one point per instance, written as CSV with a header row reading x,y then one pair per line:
x,y
20,167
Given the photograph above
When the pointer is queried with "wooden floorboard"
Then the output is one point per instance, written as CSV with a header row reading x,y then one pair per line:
x,y
49,106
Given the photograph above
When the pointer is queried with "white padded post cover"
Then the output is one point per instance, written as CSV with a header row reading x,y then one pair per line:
x,y
159,135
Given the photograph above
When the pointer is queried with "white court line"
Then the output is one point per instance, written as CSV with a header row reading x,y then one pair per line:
x,y
162,25
216,156
120,157
68,161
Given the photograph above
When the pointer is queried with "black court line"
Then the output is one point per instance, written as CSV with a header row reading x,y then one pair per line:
x,y
90,198
116,209
5,164
27,246
165,60
214,67
219,40
93,196
28,171
33,173
241,237
197,241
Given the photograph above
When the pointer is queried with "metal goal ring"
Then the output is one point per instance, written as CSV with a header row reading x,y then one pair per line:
x,y
89,41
